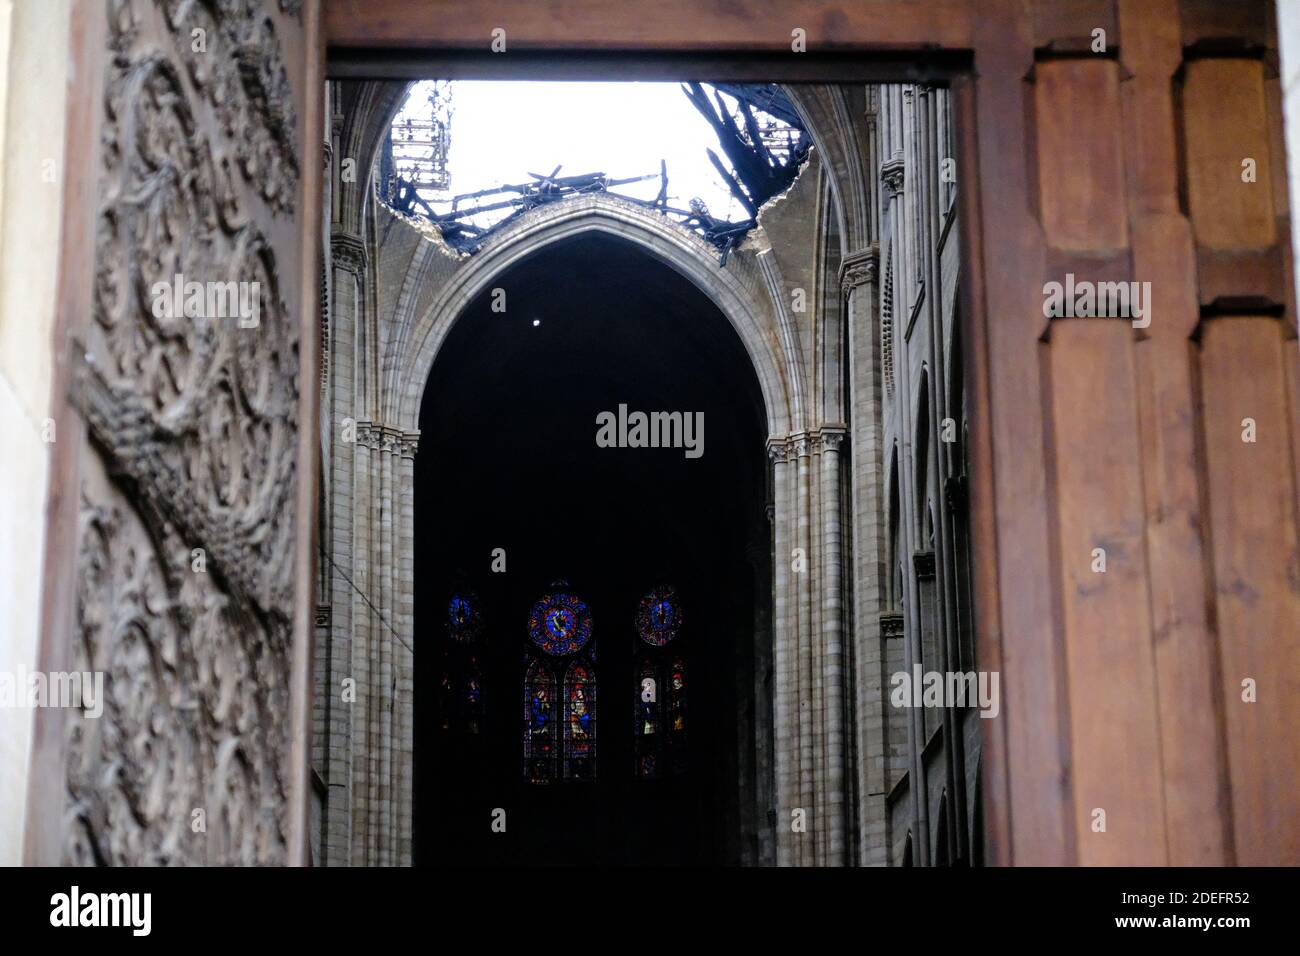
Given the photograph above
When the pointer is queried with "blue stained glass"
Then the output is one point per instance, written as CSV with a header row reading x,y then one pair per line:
x,y
560,624
541,749
659,617
464,619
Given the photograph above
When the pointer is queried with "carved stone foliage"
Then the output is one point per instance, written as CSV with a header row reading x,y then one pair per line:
x,y
187,532
233,58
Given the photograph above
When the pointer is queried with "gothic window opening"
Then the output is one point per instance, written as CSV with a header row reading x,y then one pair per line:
x,y
560,714
660,717
461,700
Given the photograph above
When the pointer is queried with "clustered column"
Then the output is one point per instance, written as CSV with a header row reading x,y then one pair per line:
x,y
808,648
369,722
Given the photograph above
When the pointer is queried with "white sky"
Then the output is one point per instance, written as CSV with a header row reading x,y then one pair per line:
x,y
503,130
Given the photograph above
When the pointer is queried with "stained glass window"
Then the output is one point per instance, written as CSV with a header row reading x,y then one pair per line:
x,y
677,715
560,714
541,745
579,722
471,696
464,619
560,623
461,698
645,726
659,617
659,718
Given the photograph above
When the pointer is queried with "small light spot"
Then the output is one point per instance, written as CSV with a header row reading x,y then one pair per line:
x,y
536,322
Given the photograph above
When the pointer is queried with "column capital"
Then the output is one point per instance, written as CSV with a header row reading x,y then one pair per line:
x,y
789,447
891,176
383,438
779,449
348,252
408,443
891,624
827,438
858,269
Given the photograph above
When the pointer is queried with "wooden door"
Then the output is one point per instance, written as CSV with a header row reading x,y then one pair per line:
x,y
1108,139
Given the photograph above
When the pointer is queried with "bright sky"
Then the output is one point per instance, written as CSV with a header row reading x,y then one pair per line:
x,y
503,130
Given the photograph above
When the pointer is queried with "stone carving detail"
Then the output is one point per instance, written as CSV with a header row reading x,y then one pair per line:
x,y
827,438
779,450
234,60
185,568
348,253
192,718
891,175
891,624
387,440
857,270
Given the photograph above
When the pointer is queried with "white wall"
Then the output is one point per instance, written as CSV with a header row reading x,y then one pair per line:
x,y
1288,31
34,37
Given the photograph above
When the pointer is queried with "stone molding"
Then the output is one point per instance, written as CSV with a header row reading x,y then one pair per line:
x,y
802,444
859,269
349,254
891,624
892,177
391,441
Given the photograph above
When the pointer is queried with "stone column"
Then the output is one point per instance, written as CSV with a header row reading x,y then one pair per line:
x,y
362,638
859,281
826,443
805,664
404,718
758,824
348,262
784,652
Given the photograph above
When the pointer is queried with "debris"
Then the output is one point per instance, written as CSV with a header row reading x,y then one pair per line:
x,y
762,138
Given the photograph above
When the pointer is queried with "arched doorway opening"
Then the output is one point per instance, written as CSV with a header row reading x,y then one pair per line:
x,y
509,460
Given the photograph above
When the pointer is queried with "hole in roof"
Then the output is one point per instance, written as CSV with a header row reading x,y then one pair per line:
x,y
469,156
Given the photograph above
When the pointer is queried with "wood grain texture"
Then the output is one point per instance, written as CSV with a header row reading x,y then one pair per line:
x,y
679,25
1193,752
1115,742
1008,315
1080,158
1253,524
1224,123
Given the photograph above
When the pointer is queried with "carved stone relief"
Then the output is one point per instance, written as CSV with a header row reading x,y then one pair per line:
x,y
185,570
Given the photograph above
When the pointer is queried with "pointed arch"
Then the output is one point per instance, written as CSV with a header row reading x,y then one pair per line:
x,y
737,290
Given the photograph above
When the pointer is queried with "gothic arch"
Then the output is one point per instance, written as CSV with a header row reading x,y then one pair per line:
x,y
736,293
839,138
